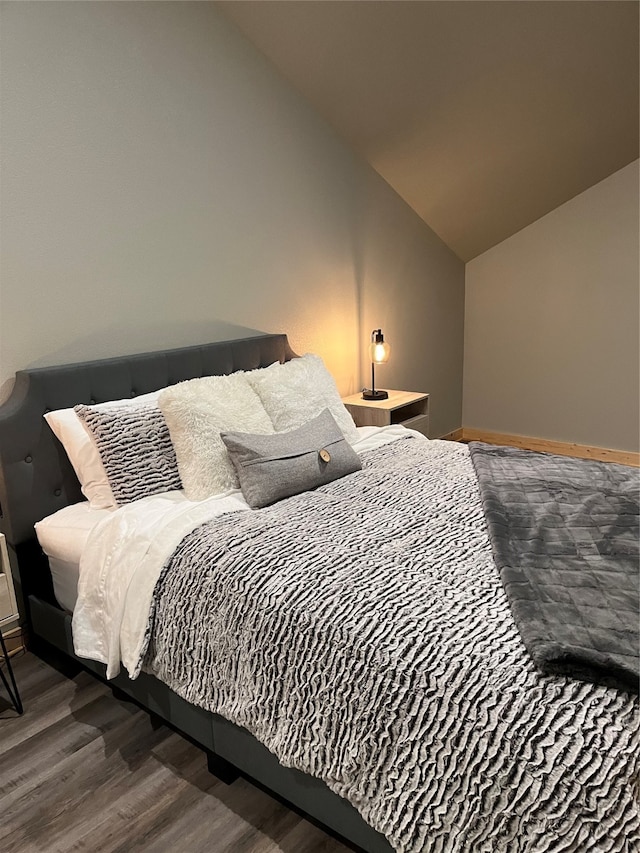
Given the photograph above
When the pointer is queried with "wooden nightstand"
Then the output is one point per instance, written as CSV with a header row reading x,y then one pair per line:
x,y
402,407
8,606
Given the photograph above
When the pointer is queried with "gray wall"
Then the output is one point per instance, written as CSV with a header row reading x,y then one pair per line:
x,y
162,185
551,324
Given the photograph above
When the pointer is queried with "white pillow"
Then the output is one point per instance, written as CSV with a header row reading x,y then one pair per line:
x,y
297,391
83,452
196,412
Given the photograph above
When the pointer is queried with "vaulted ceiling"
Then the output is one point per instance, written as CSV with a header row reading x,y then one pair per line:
x,y
483,116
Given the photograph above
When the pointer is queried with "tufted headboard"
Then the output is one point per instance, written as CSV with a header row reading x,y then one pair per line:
x,y
36,478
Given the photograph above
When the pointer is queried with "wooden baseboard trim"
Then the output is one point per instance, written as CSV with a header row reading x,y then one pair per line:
x,y
455,435
581,451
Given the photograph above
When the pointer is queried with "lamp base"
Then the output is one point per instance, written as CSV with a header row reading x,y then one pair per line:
x,y
374,395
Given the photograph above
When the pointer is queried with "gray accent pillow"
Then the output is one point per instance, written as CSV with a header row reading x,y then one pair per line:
x,y
272,467
135,449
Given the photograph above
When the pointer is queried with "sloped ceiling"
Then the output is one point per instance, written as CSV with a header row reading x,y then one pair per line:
x,y
483,116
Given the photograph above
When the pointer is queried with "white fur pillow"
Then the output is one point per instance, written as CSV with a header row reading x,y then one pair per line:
x,y
297,391
196,412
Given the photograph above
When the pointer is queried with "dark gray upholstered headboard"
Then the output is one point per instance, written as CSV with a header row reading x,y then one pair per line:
x,y
36,478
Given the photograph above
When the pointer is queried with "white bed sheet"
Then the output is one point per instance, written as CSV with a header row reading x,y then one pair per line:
x,y
63,537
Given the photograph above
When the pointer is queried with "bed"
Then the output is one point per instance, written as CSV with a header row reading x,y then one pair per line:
x,y
406,713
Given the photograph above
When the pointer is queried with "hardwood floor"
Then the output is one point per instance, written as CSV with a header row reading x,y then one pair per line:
x,y
81,771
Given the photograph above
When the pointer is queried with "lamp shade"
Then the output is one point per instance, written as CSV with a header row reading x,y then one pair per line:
x,y
379,350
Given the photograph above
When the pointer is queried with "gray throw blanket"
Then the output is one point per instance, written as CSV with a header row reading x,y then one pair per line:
x,y
361,633
566,537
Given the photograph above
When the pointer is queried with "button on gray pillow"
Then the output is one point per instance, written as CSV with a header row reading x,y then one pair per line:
x,y
272,467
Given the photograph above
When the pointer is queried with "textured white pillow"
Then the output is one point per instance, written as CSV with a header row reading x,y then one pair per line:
x,y
196,412
297,391
83,453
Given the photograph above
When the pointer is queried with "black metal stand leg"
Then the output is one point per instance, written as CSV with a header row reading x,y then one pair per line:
x,y
12,689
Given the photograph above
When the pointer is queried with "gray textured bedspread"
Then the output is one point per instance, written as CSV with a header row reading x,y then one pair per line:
x,y
566,537
362,633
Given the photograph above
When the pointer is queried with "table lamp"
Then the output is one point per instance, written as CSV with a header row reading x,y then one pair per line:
x,y
379,352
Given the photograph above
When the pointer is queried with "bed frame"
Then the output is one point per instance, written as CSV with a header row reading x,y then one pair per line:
x,y
36,480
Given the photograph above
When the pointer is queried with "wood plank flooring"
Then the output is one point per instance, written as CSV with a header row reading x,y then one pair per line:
x,y
82,771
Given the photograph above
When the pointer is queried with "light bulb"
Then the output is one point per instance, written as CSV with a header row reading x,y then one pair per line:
x,y
379,350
